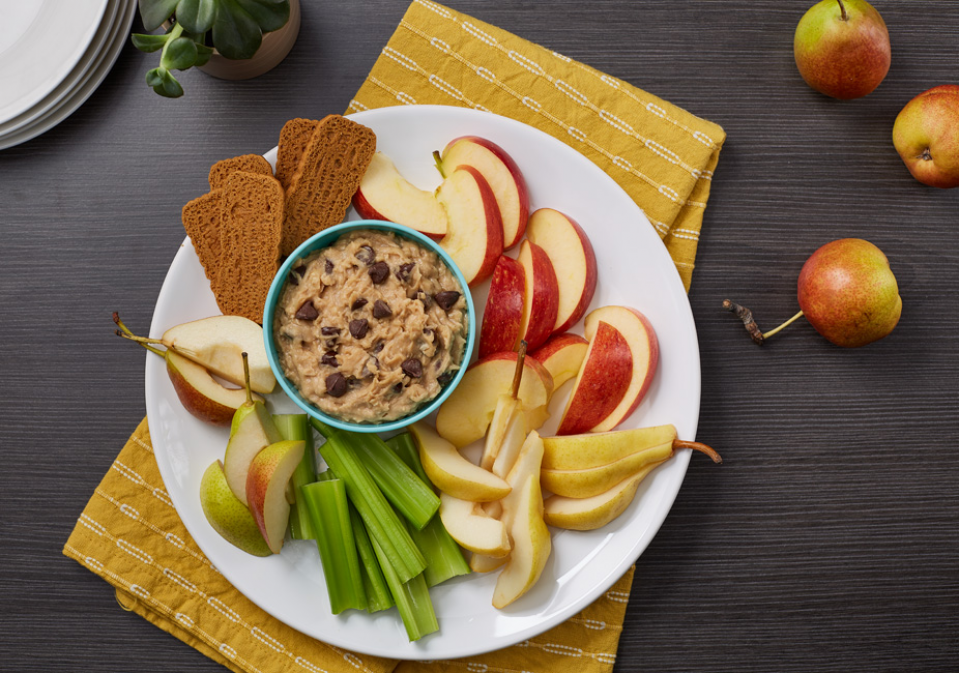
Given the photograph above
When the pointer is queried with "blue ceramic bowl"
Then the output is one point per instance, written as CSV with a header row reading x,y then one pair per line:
x,y
325,239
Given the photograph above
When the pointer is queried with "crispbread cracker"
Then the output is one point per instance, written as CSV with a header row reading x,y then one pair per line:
x,y
294,138
326,178
201,219
251,212
251,163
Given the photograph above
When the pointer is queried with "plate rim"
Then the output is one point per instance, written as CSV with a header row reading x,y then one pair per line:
x,y
681,460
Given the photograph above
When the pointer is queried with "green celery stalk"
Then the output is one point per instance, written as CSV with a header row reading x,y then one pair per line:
x,y
409,494
330,513
377,592
412,599
382,521
297,426
444,558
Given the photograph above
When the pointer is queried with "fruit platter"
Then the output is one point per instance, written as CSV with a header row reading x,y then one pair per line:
x,y
626,297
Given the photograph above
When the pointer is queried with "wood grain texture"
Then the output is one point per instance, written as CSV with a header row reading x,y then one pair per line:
x,y
828,541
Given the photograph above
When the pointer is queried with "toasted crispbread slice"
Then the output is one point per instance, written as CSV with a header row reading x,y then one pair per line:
x,y
251,163
251,214
326,178
294,138
201,219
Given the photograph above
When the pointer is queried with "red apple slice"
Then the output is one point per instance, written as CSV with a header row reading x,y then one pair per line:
x,y
542,295
474,235
562,355
503,176
503,317
574,262
384,194
638,333
466,414
602,382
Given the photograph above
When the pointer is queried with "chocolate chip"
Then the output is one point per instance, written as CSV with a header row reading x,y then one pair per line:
x,y
307,311
296,274
378,347
379,272
359,303
398,388
446,299
336,385
403,273
359,328
328,265
444,378
366,255
329,358
381,309
412,368
329,331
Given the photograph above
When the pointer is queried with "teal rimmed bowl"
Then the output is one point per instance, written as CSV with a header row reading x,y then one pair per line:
x,y
325,239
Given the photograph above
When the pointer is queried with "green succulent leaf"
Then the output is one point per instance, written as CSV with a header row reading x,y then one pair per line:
x,y
164,83
196,16
236,34
155,12
203,53
270,15
179,54
148,43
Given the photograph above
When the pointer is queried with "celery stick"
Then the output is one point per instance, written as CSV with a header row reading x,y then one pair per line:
x,y
297,426
329,510
382,521
412,599
377,592
444,558
409,494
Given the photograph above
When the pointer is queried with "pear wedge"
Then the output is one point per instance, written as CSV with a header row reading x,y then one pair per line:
x,y
596,511
227,515
472,528
595,480
453,474
266,482
593,449
201,394
531,546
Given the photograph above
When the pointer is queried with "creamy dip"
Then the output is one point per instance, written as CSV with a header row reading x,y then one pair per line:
x,y
371,328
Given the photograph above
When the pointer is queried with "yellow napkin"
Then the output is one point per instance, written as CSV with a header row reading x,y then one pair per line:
x,y
130,534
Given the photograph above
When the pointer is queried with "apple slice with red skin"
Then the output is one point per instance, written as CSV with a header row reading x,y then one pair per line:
x,y
474,235
542,295
466,414
562,355
602,410
502,174
503,317
574,262
384,194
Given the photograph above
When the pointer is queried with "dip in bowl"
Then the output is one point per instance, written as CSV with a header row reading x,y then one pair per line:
x,y
369,326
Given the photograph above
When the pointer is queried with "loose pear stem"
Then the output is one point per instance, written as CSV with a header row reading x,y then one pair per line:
x,y
127,334
518,374
744,314
696,446
246,378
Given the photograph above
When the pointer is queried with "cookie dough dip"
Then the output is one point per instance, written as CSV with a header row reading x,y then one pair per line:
x,y
372,327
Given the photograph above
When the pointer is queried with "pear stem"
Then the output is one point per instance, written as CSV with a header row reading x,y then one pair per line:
x,y
518,374
789,322
842,7
246,378
127,334
697,446
437,159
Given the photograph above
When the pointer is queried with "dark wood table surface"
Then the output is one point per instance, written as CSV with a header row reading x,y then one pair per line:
x,y
829,539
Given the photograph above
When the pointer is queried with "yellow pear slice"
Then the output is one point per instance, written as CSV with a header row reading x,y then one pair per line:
x,y
597,511
580,452
595,480
506,406
227,515
531,546
472,528
453,474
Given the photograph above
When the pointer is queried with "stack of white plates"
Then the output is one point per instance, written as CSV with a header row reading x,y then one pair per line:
x,y
53,55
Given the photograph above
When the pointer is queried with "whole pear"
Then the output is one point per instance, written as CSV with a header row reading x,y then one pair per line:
x,y
842,48
926,135
847,291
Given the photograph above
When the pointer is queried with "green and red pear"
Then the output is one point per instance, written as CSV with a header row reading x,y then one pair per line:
x,y
926,135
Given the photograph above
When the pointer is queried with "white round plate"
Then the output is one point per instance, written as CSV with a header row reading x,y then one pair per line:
x,y
94,67
40,44
634,270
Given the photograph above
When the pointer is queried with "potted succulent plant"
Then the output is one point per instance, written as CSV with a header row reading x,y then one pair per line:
x,y
232,39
